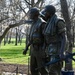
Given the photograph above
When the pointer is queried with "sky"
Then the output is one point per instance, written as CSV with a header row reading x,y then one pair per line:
x,y
48,1
53,2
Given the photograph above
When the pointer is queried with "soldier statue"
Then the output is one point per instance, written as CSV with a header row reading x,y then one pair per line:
x,y
36,39
55,38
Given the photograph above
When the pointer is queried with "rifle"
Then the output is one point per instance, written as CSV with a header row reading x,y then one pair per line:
x,y
68,56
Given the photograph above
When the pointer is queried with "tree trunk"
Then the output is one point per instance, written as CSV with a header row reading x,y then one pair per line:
x,y
16,38
4,41
9,39
32,3
64,10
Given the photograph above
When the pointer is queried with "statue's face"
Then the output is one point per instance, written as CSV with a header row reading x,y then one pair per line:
x,y
32,16
47,15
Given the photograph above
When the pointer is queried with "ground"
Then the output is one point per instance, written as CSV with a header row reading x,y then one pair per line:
x,y
15,68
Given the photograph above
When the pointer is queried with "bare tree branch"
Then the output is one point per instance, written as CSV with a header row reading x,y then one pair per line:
x,y
41,5
37,3
27,2
3,19
22,9
13,11
70,2
73,13
12,26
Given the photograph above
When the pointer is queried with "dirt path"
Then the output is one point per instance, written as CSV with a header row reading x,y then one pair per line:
x,y
13,68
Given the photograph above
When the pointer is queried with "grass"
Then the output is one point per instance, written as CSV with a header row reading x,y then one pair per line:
x,y
13,54
74,58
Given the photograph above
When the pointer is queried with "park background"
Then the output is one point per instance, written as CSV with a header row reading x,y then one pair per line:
x,y
14,29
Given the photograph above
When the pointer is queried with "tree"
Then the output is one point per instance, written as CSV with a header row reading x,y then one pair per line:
x,y
67,17
67,11
14,13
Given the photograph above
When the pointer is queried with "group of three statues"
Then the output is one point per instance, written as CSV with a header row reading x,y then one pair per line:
x,y
48,40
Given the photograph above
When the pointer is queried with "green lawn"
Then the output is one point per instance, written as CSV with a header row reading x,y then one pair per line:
x,y
74,57
13,54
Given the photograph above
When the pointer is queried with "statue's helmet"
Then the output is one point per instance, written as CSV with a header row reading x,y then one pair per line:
x,y
50,9
34,10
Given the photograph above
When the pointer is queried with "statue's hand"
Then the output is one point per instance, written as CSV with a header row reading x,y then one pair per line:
x,y
25,51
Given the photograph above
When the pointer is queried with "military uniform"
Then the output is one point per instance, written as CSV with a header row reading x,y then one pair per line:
x,y
37,53
53,36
